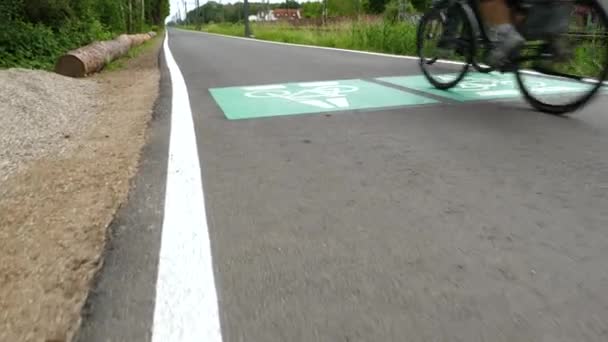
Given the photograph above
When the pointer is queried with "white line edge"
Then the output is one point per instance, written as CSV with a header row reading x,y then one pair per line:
x,y
264,87
318,84
186,307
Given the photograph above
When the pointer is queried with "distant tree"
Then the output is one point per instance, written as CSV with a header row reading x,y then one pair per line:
x,y
342,7
289,4
312,9
376,6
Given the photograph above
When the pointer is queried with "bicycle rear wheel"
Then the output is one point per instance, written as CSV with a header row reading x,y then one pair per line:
x,y
444,65
574,66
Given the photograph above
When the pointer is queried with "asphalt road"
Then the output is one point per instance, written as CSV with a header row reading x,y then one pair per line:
x,y
475,221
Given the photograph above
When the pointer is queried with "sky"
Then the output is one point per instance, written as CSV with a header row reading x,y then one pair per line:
x,y
175,4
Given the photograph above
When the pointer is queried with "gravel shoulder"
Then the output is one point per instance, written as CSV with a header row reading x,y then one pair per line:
x,y
68,150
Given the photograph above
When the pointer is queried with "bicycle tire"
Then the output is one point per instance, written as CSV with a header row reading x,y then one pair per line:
x,y
435,14
564,109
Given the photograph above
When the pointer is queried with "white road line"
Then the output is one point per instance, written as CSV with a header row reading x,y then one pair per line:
x,y
265,87
319,84
379,54
186,299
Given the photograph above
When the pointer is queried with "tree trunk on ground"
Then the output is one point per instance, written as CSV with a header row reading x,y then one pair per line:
x,y
93,57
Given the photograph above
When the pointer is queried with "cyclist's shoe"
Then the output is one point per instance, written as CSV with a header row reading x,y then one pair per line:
x,y
507,44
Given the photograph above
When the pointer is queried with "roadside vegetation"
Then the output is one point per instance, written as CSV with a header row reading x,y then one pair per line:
x,y
34,33
371,25
380,36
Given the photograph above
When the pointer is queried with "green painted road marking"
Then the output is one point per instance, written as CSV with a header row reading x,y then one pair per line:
x,y
478,86
311,97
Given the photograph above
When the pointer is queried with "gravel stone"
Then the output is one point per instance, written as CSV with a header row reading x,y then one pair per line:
x,y
40,113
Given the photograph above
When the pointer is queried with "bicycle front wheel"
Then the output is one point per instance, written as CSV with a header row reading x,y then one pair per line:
x,y
563,74
444,44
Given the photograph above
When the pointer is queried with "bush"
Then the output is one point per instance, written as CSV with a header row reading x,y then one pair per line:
x,y
37,46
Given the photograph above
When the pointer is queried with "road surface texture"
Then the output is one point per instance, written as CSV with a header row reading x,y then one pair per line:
x,y
452,221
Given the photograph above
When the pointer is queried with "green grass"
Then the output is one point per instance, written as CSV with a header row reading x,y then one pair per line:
x,y
133,53
396,38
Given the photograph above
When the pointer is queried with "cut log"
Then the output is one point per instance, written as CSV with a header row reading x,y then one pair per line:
x,y
93,57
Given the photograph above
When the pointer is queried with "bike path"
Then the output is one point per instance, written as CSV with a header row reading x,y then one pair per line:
x,y
362,216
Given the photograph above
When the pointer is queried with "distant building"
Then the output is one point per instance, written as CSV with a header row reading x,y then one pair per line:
x,y
277,14
287,14
264,16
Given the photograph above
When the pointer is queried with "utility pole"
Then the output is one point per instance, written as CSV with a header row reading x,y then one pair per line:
x,y
198,15
246,15
222,9
203,13
186,11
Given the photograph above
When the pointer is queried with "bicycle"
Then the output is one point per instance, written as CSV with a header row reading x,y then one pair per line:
x,y
581,66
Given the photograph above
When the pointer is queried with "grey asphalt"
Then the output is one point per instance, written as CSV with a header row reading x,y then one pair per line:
x,y
482,221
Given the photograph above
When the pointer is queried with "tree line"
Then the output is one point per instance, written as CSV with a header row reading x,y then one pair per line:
x,y
112,15
213,11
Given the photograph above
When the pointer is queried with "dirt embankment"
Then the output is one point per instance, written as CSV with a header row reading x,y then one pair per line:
x,y
68,148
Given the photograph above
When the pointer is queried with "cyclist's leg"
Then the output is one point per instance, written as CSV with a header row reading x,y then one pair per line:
x,y
501,31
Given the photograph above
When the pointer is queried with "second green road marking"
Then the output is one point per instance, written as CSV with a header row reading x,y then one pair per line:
x,y
310,97
478,86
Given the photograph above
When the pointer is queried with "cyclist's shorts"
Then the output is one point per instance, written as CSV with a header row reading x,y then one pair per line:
x,y
546,18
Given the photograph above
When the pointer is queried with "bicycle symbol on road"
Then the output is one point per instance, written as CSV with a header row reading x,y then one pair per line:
x,y
488,84
319,94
